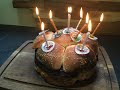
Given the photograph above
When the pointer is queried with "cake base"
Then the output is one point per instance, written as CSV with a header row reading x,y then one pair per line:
x,y
63,79
79,81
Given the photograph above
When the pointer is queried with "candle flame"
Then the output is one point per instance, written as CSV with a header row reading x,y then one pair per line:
x,y
37,11
101,18
69,9
81,13
87,18
90,26
50,14
42,26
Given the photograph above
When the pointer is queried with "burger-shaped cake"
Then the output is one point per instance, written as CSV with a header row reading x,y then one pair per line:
x,y
66,64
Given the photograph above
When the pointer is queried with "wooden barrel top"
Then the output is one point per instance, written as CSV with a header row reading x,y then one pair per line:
x,y
18,72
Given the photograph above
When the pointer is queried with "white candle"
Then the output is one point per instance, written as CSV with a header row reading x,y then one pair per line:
x,y
81,16
69,15
88,34
42,28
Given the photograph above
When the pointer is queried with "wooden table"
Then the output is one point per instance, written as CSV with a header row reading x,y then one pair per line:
x,y
18,72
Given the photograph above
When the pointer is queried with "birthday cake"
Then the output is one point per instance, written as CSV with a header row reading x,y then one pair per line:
x,y
66,64
67,57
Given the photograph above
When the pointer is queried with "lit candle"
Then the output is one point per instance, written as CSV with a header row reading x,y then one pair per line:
x,y
85,25
88,34
69,15
101,19
52,22
87,20
42,28
37,13
81,16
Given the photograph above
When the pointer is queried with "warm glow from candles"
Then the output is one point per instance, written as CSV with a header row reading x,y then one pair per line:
x,y
90,26
50,14
37,11
101,18
81,13
42,26
87,18
69,9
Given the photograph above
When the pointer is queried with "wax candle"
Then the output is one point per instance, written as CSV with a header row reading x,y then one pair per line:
x,y
69,15
88,34
42,28
52,22
101,19
81,16
85,25
37,13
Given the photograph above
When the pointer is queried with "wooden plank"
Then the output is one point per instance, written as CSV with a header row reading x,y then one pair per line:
x,y
16,85
94,15
13,55
110,68
20,73
28,3
90,5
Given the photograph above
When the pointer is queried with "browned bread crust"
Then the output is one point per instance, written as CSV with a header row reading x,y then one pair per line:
x,y
62,66
53,59
64,40
66,58
74,62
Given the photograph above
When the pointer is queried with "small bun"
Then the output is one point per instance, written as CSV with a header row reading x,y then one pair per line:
x,y
64,40
74,62
53,59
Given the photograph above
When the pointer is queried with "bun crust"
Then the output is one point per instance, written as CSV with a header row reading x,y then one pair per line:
x,y
66,58
74,62
53,59
64,40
